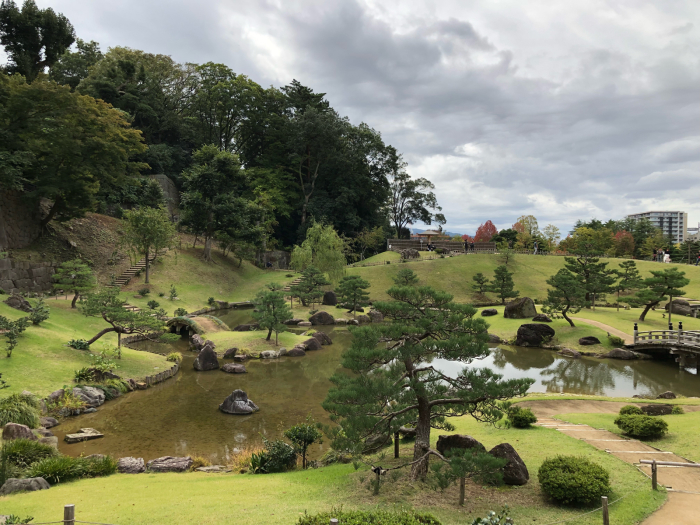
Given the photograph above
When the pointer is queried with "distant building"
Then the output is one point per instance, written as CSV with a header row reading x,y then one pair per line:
x,y
673,223
693,233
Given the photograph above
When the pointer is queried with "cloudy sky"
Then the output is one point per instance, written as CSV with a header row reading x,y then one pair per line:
x,y
563,110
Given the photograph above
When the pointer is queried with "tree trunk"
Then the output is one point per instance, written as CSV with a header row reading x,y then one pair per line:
x,y
277,338
52,212
563,313
148,266
646,310
670,308
195,241
103,332
420,470
618,300
75,298
269,334
207,248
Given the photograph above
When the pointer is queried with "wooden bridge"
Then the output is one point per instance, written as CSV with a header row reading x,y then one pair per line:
x,y
684,344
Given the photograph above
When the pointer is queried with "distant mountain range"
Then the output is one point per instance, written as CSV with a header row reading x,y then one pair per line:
x,y
451,234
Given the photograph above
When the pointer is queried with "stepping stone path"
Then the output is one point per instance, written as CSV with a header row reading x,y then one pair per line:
x,y
683,484
293,283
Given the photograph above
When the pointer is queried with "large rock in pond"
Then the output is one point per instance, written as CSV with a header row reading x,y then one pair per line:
x,y
407,432
488,312
230,353
363,319
533,334
233,368
91,396
131,465
569,352
330,299
170,464
541,318
23,485
322,338
311,344
293,322
657,410
448,442
322,318
666,395
17,431
238,403
269,354
376,316
48,422
19,303
84,434
680,307
197,342
206,360
589,340
620,353
523,308
494,339
514,472
296,352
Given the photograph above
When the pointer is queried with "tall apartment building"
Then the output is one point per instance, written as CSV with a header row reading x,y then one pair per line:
x,y
673,223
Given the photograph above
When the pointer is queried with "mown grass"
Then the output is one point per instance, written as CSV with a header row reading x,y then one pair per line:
x,y
254,341
42,361
682,437
282,498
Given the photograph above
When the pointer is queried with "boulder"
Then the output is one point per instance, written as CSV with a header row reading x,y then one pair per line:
x,y
197,342
51,441
311,344
408,432
353,322
514,472
494,339
84,434
488,312
54,396
341,321
19,303
304,323
322,338
568,352
240,358
170,464
269,354
91,396
232,368
376,316
44,432
292,322
230,353
48,422
247,327
448,442
589,341
356,309
533,334
17,431
409,253
541,318
131,465
657,410
296,352
620,353
376,442
322,318
363,319
679,307
523,308
23,485
206,360
666,395
330,299
238,403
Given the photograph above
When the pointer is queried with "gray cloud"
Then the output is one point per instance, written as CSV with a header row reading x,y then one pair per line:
x,y
508,109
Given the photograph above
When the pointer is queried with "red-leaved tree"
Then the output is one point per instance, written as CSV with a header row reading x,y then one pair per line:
x,y
518,227
624,244
485,232
467,238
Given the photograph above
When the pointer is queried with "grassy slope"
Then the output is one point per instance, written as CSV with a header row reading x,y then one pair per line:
x,y
42,362
682,437
281,498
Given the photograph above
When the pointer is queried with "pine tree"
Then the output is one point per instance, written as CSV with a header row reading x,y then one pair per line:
x,y
653,290
351,292
75,276
566,295
629,278
405,277
592,274
481,283
502,284
272,311
395,384
309,288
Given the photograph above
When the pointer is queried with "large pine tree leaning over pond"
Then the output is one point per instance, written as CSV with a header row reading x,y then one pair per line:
x,y
394,383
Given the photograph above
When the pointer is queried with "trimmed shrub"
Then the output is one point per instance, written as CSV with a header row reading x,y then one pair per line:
x,y
21,409
521,417
180,312
677,410
642,426
79,344
573,480
144,292
631,410
174,357
153,304
370,517
616,341
278,456
24,452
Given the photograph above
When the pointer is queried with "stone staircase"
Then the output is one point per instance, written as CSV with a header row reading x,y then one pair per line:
x,y
140,266
288,288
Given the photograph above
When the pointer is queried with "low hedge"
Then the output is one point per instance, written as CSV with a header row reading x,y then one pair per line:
x,y
371,517
631,410
521,417
573,480
642,426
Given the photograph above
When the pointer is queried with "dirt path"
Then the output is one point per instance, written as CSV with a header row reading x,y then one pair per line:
x,y
614,331
683,484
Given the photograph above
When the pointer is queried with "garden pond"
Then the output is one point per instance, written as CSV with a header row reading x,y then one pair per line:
x,y
180,416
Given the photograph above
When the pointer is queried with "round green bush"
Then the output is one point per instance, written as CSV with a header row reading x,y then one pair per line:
x,y
631,410
21,409
677,410
573,480
24,452
642,426
521,417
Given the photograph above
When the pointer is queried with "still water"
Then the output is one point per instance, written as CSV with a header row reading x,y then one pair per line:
x,y
181,417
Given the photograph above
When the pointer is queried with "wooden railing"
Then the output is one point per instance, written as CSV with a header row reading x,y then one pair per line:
x,y
683,337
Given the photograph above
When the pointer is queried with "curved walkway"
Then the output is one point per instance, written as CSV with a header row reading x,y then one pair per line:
x,y
683,484
613,331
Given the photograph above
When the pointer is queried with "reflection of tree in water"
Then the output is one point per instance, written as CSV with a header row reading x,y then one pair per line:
x,y
578,376
523,358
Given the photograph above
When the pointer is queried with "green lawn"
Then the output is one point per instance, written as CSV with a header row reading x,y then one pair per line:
x,y
254,341
42,362
281,498
682,437
624,319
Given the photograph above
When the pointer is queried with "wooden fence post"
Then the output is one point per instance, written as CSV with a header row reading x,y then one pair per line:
x,y
462,482
396,444
68,514
654,479
606,516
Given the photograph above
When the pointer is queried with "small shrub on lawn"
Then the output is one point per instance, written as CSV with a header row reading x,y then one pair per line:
x,y
21,409
180,312
84,375
631,410
144,292
642,426
370,517
278,456
211,301
39,313
174,357
153,304
616,341
521,417
161,294
24,452
573,480
677,410
79,344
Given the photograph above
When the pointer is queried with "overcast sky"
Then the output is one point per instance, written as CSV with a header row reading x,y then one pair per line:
x,y
562,110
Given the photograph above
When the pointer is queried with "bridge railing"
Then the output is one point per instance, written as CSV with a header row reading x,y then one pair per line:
x,y
688,337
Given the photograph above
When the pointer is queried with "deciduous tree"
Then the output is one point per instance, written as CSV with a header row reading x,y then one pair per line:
x,y
148,230
323,248
485,232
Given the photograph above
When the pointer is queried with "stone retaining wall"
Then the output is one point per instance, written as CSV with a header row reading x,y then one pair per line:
x,y
20,221
25,276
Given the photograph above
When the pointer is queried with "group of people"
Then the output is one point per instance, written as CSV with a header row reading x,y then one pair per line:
x,y
468,246
661,255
